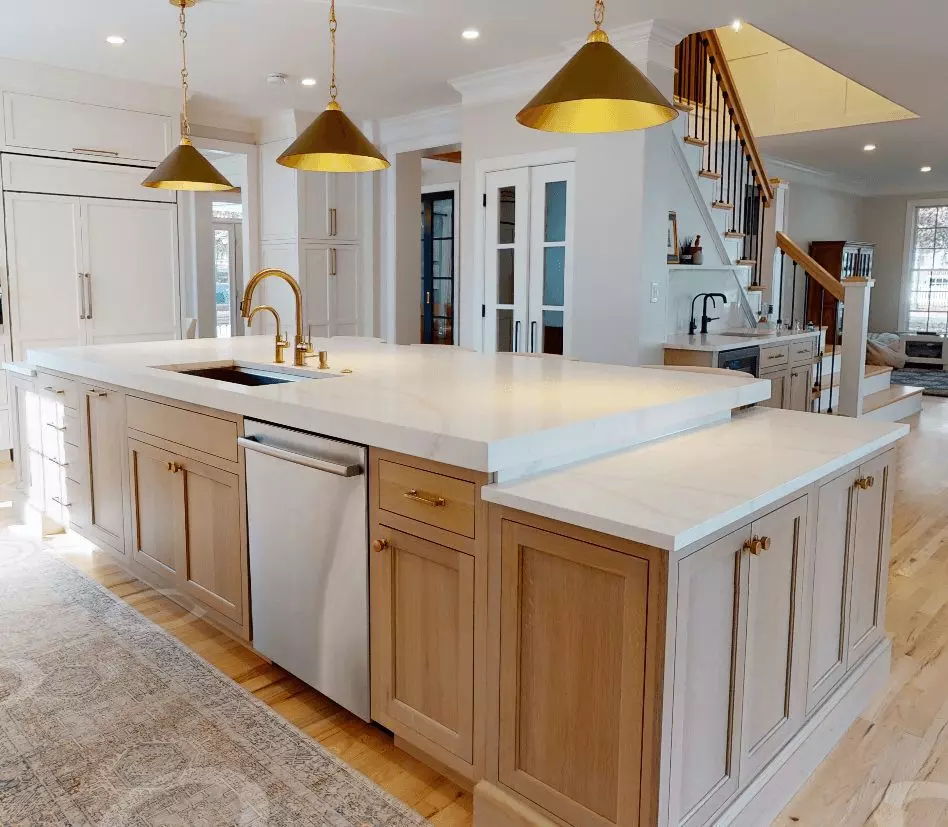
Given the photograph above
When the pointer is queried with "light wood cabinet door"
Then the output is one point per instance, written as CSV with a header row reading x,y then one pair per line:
x,y
827,586
577,690
102,419
423,608
773,703
708,683
870,554
779,389
214,559
157,493
800,384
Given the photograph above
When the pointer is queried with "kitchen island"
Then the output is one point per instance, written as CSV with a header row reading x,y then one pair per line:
x,y
598,595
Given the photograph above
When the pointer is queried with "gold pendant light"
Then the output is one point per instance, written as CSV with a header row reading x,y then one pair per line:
x,y
333,143
186,168
599,90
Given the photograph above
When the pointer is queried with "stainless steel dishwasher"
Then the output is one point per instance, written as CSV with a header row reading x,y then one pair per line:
x,y
307,511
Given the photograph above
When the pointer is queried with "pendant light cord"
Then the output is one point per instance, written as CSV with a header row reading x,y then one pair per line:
x,y
599,14
333,91
185,123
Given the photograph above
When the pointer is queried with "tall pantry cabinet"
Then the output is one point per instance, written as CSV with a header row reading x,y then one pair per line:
x,y
310,227
87,255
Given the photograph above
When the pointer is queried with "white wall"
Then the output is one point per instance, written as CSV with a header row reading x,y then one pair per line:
x,y
884,221
407,218
439,172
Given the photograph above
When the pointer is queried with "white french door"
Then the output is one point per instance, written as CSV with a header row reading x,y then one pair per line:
x,y
529,259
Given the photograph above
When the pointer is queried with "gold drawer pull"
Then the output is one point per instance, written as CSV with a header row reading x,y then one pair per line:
x,y
96,394
57,391
425,499
775,356
174,467
380,545
60,428
865,483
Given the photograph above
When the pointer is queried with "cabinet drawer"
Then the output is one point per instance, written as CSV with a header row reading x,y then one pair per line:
x,y
74,463
802,352
62,390
208,434
774,357
427,497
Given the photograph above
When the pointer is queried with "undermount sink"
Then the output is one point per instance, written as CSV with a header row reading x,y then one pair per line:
x,y
237,375
748,334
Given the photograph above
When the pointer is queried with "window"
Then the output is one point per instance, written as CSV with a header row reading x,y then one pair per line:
x,y
928,276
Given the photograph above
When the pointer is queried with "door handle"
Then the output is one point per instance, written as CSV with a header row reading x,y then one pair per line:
x,y
533,330
88,295
517,337
82,296
333,222
427,297
340,469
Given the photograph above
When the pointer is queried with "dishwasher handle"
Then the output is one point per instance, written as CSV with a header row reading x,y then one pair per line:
x,y
340,469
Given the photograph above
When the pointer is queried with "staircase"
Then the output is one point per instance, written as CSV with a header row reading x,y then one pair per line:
x,y
717,148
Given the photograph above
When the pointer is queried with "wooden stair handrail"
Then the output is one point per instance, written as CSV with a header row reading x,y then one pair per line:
x,y
811,267
716,51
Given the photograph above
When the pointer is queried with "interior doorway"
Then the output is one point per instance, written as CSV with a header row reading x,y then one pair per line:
x,y
438,256
228,264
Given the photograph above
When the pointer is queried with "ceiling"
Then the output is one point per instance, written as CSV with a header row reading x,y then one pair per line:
x,y
397,56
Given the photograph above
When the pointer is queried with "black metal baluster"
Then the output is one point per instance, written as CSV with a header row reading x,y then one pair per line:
x,y
829,408
783,257
723,140
806,300
761,206
736,170
793,296
718,121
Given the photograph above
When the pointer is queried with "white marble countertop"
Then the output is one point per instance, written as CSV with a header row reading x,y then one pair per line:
x,y
715,342
680,490
496,413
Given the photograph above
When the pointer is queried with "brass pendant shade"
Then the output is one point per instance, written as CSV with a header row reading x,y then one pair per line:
x,y
186,168
598,90
333,143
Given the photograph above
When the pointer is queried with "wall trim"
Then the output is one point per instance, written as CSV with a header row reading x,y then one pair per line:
x,y
797,173
425,129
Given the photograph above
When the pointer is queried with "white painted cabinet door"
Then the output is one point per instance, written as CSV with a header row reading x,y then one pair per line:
x,y
708,682
46,286
870,557
131,264
827,587
316,278
800,384
507,261
779,389
316,219
344,200
773,668
344,291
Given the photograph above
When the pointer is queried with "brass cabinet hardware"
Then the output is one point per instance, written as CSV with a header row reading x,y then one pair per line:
x,y
96,394
88,295
380,545
57,391
174,467
60,502
757,545
425,499
55,427
333,223
82,295
775,356
81,150
765,543
865,483
427,297
332,262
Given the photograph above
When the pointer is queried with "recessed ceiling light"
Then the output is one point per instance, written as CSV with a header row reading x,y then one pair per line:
x,y
470,34
737,25
308,81
115,40
869,148
926,169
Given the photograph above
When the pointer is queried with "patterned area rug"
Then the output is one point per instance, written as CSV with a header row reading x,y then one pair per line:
x,y
107,720
935,382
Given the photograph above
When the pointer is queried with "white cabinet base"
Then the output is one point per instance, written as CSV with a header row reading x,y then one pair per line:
x,y
779,782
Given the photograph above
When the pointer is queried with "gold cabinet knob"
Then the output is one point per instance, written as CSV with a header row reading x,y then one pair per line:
x,y
765,543
753,546
173,467
865,483
379,546
870,481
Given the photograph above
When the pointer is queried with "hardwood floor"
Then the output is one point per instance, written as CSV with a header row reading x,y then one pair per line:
x,y
902,738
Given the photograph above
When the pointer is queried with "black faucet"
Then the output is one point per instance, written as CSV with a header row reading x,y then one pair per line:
x,y
705,318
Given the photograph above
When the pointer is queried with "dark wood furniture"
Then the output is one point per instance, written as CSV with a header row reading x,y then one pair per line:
x,y
844,260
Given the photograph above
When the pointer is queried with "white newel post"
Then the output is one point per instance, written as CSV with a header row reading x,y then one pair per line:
x,y
855,333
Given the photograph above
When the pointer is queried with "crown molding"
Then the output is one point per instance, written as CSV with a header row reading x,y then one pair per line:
x,y
796,173
421,130
648,42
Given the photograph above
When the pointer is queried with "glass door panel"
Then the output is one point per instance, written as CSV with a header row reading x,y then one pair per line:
x,y
507,260
437,268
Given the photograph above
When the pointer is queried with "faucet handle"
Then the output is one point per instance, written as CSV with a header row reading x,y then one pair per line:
x,y
309,340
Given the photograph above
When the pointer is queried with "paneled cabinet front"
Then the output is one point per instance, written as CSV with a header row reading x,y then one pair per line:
x,y
330,207
102,422
331,290
423,640
187,526
581,631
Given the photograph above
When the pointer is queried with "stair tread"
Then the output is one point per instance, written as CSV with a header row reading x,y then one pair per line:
x,y
722,205
889,396
710,175
871,370
694,141
733,234
682,106
875,370
746,262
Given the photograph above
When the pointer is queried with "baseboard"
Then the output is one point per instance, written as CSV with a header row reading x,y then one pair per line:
x,y
782,778
493,807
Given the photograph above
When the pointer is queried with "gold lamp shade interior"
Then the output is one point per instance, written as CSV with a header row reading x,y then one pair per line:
x,y
333,143
598,90
187,169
